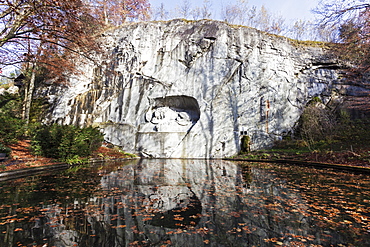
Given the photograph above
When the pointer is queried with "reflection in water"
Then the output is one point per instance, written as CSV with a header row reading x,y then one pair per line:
x,y
186,203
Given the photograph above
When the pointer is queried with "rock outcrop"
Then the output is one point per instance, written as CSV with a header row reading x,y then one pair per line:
x,y
194,89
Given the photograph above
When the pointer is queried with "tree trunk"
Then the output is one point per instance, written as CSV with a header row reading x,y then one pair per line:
x,y
28,96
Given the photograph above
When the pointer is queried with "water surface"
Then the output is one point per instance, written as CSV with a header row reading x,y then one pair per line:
x,y
186,203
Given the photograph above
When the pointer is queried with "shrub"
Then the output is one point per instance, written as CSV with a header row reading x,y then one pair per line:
x,y
245,144
11,129
11,126
5,149
65,142
317,123
11,105
322,128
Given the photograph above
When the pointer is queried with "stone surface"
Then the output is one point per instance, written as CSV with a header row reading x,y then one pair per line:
x,y
193,89
10,90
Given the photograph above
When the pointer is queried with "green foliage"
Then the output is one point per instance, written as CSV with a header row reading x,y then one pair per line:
x,y
245,144
322,129
6,86
354,133
257,156
128,154
291,146
76,168
11,129
38,109
316,124
315,100
76,160
5,149
11,126
65,142
10,104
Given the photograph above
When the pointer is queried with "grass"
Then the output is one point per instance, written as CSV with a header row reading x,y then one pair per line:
x,y
342,154
6,86
275,153
309,43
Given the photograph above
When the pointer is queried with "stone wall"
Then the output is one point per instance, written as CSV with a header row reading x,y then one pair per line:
x,y
193,89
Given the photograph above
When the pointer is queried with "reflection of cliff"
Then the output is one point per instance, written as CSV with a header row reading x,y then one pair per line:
x,y
200,201
180,203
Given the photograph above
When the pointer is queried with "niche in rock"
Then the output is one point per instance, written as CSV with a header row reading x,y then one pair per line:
x,y
173,113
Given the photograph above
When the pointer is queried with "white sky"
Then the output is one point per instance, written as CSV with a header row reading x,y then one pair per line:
x,y
289,9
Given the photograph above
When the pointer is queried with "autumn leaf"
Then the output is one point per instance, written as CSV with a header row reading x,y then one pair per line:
x,y
179,218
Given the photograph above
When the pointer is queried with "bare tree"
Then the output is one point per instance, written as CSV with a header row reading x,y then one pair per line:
x,y
206,11
241,13
340,11
230,13
203,12
251,16
266,21
49,34
196,13
44,33
350,23
317,123
236,13
184,10
277,25
161,13
263,19
298,29
324,33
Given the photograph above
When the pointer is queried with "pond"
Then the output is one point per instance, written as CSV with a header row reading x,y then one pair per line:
x,y
153,202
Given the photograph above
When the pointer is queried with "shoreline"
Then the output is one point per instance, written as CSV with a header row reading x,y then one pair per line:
x,y
24,172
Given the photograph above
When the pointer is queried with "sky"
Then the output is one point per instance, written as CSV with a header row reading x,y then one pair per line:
x,y
289,9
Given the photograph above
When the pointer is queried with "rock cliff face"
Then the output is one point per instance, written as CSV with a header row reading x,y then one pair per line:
x,y
194,89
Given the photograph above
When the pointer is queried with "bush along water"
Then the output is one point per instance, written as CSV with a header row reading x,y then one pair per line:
x,y
12,127
331,128
66,143
4,149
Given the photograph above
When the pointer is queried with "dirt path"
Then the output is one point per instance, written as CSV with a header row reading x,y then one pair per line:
x,y
22,157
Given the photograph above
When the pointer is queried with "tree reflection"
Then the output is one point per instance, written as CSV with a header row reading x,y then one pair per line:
x,y
186,202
